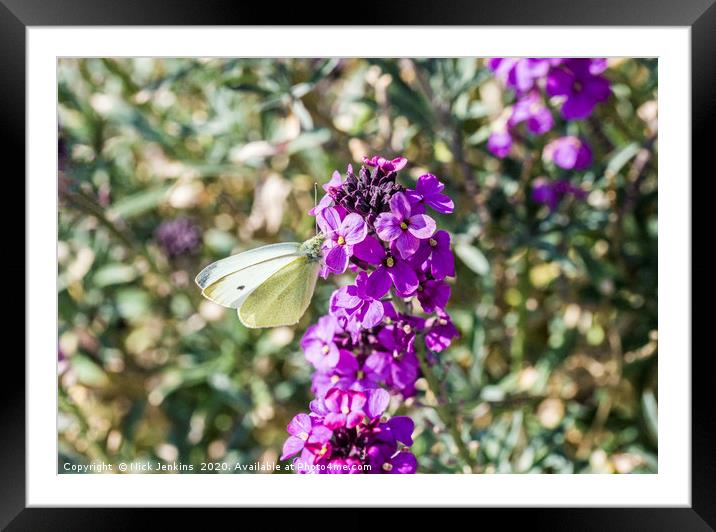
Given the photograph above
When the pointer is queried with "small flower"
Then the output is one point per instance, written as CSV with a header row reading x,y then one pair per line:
x,y
392,270
569,153
499,143
433,295
532,111
579,82
384,164
341,236
437,251
304,433
550,193
428,191
404,227
344,408
520,74
178,237
318,343
441,333
359,302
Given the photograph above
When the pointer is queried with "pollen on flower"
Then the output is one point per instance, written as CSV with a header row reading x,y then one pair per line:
x,y
404,226
325,349
387,467
345,410
334,379
432,242
303,435
390,262
341,240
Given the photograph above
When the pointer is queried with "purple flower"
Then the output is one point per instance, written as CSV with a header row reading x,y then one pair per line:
x,y
304,432
349,375
579,82
341,236
551,192
428,191
532,111
437,250
433,295
519,74
499,143
359,301
569,153
440,334
318,343
345,408
180,236
392,270
403,463
384,164
402,226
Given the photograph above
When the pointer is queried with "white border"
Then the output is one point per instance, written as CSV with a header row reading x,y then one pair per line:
x,y
671,486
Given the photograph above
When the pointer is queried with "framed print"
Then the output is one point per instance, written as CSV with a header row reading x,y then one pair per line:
x,y
429,249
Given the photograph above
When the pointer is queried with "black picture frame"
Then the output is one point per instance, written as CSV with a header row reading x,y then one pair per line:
x,y
17,15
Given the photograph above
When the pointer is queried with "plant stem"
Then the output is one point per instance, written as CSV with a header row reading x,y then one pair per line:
x,y
444,412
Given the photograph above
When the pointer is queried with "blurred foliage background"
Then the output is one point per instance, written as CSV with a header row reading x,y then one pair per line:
x,y
556,368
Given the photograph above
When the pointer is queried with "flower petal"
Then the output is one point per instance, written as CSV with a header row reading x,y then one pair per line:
x,y
421,226
379,283
372,314
370,250
300,423
328,220
406,244
353,229
404,278
402,428
337,259
291,446
400,206
378,401
387,226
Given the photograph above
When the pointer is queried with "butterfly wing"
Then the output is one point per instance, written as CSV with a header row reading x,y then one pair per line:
x,y
283,297
230,281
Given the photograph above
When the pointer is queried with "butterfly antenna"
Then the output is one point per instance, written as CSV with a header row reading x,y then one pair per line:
x,y
315,202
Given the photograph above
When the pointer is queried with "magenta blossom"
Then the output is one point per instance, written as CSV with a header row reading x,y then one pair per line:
x,y
401,225
318,343
530,110
341,236
499,143
359,302
392,270
441,333
579,82
304,432
520,74
436,251
388,166
428,191
433,295
570,153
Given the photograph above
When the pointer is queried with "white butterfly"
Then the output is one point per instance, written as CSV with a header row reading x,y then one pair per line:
x,y
269,286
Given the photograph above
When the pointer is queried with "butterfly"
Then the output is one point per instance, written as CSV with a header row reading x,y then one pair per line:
x,y
269,286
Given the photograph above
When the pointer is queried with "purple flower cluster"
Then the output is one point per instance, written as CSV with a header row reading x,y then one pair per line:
x,y
346,433
177,237
576,85
366,347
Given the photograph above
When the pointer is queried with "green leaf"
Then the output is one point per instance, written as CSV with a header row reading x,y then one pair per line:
x,y
473,258
115,273
139,203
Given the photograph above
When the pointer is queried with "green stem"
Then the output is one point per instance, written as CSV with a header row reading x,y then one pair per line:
x,y
444,412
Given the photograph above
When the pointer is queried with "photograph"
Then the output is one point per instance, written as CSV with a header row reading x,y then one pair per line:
x,y
357,265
